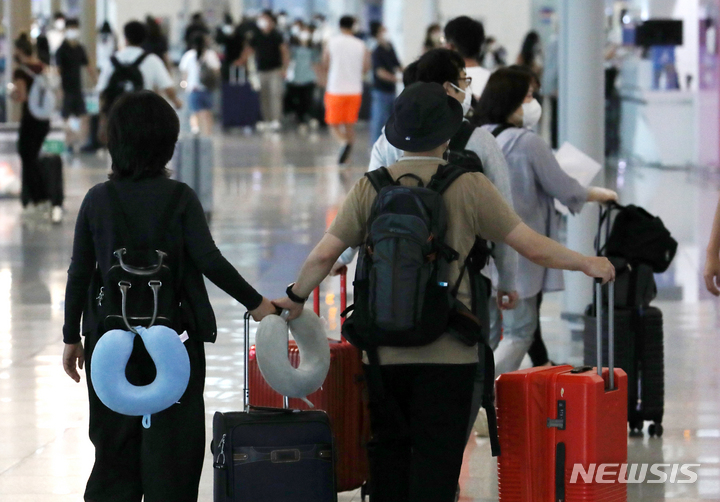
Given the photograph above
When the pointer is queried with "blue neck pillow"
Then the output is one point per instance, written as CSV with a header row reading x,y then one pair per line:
x,y
107,371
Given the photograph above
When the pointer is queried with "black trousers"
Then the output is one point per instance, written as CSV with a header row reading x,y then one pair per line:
x,y
419,458
300,100
30,139
162,463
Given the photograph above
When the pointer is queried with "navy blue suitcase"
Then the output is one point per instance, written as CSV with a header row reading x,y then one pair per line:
x,y
240,102
272,454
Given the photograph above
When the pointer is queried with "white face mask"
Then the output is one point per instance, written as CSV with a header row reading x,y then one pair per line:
x,y
295,30
72,34
263,23
467,100
59,24
304,36
532,112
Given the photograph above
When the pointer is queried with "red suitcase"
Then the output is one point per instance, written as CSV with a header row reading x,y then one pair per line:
x,y
341,396
554,420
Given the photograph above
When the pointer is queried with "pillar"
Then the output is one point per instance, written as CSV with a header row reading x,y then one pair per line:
x,y
582,116
55,6
406,23
17,18
88,30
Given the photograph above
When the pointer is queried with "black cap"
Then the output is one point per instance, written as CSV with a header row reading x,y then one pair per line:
x,y
424,117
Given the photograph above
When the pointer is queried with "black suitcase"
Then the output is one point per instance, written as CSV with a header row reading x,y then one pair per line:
x,y
639,350
271,454
51,174
240,102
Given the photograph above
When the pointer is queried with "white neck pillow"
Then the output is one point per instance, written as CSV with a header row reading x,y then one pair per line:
x,y
272,354
107,371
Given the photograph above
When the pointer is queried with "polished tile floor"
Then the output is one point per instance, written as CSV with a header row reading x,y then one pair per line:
x,y
274,196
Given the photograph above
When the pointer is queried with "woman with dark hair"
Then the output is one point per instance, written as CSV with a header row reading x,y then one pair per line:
x,y
155,41
433,38
530,56
32,131
162,462
508,109
200,67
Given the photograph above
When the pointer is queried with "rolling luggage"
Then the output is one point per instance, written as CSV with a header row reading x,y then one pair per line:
x,y
341,396
639,348
193,164
51,174
557,425
272,454
240,102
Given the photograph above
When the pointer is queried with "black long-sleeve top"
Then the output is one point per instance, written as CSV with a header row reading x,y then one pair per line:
x,y
143,203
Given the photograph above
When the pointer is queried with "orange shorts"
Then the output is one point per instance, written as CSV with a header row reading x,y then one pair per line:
x,y
342,108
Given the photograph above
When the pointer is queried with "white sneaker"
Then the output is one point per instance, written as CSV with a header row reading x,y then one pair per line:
x,y
261,126
274,125
57,214
314,124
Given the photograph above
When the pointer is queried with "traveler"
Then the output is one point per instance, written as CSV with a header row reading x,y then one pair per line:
x,y
303,75
153,74
70,59
106,45
433,38
162,462
530,56
467,36
201,70
419,414
33,130
56,33
155,41
346,60
272,58
536,180
385,66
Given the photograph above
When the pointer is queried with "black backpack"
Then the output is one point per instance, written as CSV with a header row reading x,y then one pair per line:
x,y
141,288
457,155
125,78
209,77
639,237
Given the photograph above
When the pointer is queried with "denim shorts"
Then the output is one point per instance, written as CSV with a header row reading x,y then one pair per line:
x,y
200,100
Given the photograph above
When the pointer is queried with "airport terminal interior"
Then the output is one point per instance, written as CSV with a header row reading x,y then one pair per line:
x,y
275,188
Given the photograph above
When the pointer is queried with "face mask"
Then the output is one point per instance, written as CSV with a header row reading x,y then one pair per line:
x,y
532,112
263,23
436,37
59,24
304,36
72,34
467,100
295,30
227,29
282,22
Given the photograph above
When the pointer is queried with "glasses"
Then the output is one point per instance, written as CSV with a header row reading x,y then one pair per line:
x,y
468,81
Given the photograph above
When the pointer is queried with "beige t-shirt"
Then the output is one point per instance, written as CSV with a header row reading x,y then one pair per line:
x,y
474,207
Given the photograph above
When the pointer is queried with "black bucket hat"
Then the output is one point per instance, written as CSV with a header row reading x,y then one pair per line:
x,y
423,118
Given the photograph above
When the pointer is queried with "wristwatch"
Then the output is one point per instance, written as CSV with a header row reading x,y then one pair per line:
x,y
293,296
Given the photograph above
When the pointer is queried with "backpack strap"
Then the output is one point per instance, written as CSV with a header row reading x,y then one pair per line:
x,y
139,60
380,178
114,60
501,128
461,138
445,175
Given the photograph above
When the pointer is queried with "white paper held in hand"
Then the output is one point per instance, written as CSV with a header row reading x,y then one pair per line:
x,y
578,165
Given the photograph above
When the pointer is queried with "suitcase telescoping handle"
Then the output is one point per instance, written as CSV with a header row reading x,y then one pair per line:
x,y
611,305
343,297
246,350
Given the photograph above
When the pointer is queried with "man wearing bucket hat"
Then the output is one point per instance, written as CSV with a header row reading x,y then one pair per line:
x,y
417,447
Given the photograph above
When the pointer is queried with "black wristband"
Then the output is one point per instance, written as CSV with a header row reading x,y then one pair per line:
x,y
295,298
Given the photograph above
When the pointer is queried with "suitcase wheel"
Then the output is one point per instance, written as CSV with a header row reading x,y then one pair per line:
x,y
636,428
655,429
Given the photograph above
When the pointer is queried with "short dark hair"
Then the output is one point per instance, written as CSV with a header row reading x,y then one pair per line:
x,y
135,32
466,35
142,131
347,22
73,22
24,45
439,66
375,27
410,74
270,14
504,93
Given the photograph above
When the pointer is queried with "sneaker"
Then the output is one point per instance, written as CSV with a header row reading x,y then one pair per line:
x,y
56,215
260,126
314,124
345,154
274,126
